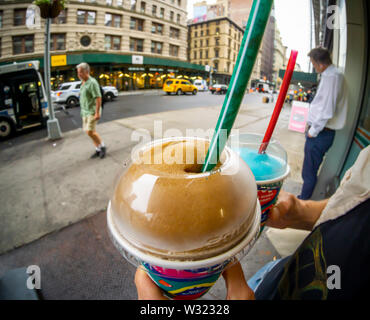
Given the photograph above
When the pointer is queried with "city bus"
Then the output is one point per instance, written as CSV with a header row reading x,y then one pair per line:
x,y
23,101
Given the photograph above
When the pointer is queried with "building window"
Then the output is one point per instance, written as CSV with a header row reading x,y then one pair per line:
x,y
157,28
179,3
200,54
174,50
154,10
207,55
216,65
195,44
157,47
178,18
108,2
161,14
201,43
19,17
172,15
112,20
194,55
142,7
207,42
217,41
217,31
217,52
108,20
207,32
133,5
136,45
117,20
137,24
112,42
86,17
61,19
201,33
174,33
23,44
0,47
1,19
195,34
119,3
58,41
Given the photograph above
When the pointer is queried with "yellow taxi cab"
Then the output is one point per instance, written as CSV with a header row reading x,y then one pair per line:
x,y
179,86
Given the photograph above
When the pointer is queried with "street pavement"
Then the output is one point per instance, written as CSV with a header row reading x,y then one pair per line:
x,y
54,197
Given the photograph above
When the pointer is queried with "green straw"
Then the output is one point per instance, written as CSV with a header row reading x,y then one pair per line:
x,y
250,45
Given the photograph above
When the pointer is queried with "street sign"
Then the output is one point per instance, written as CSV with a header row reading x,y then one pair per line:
x,y
298,116
59,60
137,59
207,68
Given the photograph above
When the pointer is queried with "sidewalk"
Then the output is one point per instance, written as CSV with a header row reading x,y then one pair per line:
x,y
47,186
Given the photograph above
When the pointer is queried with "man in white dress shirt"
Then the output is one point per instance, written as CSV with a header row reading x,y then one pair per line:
x,y
327,113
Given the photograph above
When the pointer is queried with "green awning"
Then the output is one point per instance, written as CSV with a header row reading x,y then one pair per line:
x,y
303,77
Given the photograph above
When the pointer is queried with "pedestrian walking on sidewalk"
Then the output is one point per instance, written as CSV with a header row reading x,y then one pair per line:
x,y
90,103
327,113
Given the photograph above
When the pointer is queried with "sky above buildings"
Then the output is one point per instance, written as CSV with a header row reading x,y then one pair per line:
x,y
293,21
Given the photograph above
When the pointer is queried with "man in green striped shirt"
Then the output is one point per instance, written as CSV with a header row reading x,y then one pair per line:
x,y
90,104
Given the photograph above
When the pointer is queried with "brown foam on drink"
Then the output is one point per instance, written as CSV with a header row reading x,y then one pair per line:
x,y
173,211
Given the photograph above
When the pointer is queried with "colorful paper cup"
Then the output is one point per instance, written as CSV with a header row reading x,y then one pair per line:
x,y
184,280
270,169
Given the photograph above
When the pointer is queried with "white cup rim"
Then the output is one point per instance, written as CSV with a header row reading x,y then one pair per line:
x,y
181,265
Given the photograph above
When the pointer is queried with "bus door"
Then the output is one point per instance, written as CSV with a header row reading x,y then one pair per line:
x,y
27,100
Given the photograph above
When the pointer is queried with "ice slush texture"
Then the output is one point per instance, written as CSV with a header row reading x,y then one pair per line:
x,y
263,166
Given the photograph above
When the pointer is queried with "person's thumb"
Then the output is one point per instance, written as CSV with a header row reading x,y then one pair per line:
x,y
146,288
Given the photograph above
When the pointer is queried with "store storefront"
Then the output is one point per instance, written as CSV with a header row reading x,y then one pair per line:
x,y
120,71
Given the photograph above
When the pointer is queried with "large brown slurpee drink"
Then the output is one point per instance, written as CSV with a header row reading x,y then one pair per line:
x,y
181,226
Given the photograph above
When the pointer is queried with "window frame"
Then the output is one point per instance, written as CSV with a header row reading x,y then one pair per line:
x,y
136,47
53,41
86,16
20,10
23,44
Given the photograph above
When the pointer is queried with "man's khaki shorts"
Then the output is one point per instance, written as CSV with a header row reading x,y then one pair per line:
x,y
89,123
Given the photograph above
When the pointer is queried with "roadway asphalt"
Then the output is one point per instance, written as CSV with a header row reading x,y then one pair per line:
x,y
127,106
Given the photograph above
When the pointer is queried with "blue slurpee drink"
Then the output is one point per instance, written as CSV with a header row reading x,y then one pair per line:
x,y
269,168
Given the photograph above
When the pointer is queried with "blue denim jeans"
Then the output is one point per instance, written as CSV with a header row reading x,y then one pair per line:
x,y
314,152
258,277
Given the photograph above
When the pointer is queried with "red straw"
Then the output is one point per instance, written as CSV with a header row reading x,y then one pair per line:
x,y
280,101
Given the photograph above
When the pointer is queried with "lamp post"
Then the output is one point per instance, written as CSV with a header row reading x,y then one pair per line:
x,y
210,72
54,132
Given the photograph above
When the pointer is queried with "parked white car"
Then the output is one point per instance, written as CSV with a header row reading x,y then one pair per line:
x,y
68,93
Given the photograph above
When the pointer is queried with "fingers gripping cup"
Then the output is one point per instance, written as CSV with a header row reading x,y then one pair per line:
x,y
183,227
270,168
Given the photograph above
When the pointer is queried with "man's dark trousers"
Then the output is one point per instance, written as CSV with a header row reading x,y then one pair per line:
x,y
314,151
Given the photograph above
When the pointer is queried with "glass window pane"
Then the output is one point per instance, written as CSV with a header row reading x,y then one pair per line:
x,y
116,43
81,17
17,45
140,45
117,21
132,24
28,44
91,17
108,20
107,42
60,45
